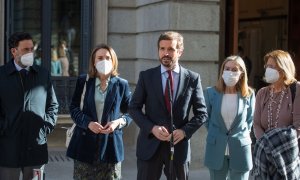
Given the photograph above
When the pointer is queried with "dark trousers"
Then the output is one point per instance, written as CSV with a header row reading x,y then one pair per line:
x,y
14,173
152,168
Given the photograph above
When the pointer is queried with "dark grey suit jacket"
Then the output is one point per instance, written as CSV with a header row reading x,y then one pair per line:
x,y
149,93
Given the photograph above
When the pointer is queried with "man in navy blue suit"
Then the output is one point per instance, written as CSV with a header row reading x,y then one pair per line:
x,y
153,144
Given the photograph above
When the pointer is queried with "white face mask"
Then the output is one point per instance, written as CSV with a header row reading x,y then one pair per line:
x,y
27,59
271,75
231,78
104,66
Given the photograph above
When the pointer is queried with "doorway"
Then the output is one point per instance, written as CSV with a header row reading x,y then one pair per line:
x,y
262,27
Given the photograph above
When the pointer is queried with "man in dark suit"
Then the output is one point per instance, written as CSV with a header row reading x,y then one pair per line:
x,y
153,143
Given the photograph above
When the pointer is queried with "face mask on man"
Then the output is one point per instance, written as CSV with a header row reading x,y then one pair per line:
x,y
27,59
271,75
231,78
104,66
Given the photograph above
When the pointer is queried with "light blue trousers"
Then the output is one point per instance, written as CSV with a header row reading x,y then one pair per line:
x,y
228,174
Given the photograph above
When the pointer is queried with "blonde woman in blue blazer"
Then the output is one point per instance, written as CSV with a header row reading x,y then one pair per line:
x,y
230,107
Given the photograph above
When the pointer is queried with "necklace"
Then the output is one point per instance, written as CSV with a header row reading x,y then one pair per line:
x,y
271,123
103,85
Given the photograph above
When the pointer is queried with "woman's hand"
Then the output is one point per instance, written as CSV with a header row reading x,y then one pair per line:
x,y
110,127
95,127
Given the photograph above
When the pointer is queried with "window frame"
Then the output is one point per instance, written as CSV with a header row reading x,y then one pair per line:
x,y
46,16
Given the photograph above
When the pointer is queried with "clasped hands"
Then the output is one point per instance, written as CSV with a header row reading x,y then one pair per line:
x,y
97,128
161,133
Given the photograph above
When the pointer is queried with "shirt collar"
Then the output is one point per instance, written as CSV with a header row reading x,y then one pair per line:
x,y
98,81
19,67
163,69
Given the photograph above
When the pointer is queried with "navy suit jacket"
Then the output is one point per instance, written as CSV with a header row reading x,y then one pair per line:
x,y
84,143
149,93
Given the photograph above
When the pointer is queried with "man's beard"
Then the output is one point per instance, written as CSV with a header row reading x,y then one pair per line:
x,y
168,62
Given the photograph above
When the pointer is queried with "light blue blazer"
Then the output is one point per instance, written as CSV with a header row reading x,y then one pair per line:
x,y
237,137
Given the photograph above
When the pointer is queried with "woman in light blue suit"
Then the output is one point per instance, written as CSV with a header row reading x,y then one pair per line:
x,y
230,107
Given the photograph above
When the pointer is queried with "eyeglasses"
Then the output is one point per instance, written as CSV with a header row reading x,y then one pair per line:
x,y
270,66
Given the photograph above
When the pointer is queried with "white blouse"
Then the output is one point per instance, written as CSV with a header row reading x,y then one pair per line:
x,y
228,111
229,108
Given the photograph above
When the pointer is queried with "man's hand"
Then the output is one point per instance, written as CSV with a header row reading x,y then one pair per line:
x,y
161,133
178,135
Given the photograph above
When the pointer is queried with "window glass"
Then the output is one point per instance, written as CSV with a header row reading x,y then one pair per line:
x,y
65,32
65,41
26,17
65,45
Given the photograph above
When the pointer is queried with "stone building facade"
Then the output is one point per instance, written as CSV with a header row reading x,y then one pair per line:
x,y
132,28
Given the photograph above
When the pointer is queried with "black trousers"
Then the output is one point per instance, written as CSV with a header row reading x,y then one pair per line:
x,y
14,173
152,168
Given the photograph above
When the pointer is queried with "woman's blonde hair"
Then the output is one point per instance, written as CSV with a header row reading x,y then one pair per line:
x,y
242,84
92,69
285,64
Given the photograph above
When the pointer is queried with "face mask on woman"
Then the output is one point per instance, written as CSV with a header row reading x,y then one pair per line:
x,y
27,59
231,78
271,75
104,66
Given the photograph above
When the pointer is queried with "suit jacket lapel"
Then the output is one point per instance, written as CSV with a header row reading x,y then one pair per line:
x,y
183,82
110,97
218,104
90,95
240,108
